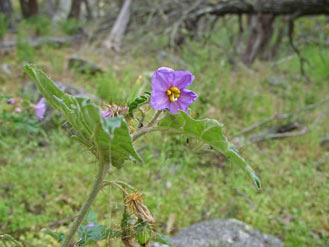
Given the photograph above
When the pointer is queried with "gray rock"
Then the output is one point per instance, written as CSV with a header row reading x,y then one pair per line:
x,y
223,233
276,81
6,68
83,66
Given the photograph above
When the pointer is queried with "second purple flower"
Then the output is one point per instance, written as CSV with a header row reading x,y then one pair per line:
x,y
40,108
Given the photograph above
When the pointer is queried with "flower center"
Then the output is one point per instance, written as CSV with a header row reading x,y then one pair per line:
x,y
173,94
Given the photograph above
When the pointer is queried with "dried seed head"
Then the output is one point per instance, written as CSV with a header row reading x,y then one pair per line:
x,y
136,205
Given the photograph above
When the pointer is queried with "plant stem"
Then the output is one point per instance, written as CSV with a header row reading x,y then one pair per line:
x,y
98,183
154,118
147,128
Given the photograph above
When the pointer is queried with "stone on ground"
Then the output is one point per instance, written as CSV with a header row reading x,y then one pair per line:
x,y
222,233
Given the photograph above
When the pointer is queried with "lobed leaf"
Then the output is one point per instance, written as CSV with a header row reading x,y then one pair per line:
x,y
108,139
208,131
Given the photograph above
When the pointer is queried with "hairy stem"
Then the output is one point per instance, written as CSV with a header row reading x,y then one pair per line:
x,y
141,120
103,167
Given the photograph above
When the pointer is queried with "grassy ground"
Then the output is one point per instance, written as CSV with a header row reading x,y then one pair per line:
x,y
45,177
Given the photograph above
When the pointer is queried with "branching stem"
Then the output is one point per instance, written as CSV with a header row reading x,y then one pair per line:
x,y
117,185
154,118
147,128
143,131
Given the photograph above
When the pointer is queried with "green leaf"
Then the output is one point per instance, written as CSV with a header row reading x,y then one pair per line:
x,y
161,239
208,131
59,236
91,234
137,102
90,217
108,139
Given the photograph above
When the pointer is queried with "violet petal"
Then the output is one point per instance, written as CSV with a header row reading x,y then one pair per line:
x,y
159,100
187,97
174,107
163,79
183,79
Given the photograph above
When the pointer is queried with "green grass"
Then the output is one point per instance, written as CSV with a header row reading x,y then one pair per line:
x,y
45,177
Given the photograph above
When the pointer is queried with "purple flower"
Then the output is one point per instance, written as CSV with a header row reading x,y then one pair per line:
x,y
40,108
169,90
106,113
90,224
11,101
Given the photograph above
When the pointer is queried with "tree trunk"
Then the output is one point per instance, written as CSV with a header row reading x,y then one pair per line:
x,y
75,9
259,37
89,10
6,8
29,8
113,40
51,8
280,30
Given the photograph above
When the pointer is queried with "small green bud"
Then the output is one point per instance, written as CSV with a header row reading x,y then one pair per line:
x,y
143,233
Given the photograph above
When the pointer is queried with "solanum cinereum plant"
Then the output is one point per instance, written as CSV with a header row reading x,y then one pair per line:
x,y
108,135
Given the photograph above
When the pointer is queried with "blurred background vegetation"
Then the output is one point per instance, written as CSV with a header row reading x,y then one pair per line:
x,y
261,68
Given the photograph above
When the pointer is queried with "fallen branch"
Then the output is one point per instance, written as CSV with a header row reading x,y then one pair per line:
x,y
273,7
281,116
265,136
283,131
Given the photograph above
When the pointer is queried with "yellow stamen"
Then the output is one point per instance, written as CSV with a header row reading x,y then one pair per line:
x,y
173,94
175,90
172,98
